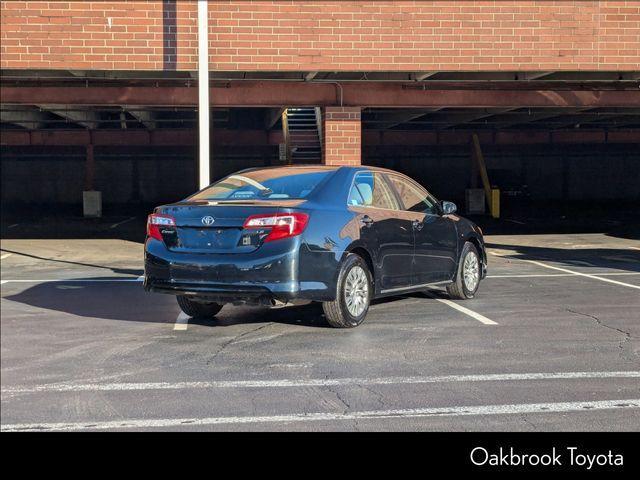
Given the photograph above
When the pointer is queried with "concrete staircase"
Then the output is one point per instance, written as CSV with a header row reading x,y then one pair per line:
x,y
303,134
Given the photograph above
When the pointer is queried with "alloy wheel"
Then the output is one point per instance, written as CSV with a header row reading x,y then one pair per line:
x,y
356,291
471,271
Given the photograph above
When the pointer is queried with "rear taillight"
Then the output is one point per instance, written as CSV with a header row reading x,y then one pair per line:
x,y
282,225
157,221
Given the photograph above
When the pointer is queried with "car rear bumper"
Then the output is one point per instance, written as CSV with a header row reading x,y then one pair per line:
x,y
273,272
215,292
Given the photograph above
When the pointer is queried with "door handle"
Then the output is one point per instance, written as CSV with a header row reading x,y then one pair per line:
x,y
367,221
417,224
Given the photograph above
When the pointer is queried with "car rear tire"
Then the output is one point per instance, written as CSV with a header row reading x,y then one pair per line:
x,y
354,293
198,309
468,275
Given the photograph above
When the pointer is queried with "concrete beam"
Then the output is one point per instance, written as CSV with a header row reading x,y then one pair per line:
x,y
395,138
472,117
630,75
139,137
87,118
537,116
188,138
145,117
24,117
363,94
596,117
395,118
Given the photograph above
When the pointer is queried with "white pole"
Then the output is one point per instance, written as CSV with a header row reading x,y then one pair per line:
x,y
203,92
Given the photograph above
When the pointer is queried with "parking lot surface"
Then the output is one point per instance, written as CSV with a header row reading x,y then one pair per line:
x,y
550,343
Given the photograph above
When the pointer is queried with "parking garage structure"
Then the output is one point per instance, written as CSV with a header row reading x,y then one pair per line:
x,y
106,96
536,100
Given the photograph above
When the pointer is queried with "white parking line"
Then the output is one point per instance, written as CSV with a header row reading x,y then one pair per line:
x,y
584,274
533,275
456,411
182,322
2,257
314,382
466,311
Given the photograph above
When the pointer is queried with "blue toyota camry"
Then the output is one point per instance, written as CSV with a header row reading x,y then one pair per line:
x,y
337,235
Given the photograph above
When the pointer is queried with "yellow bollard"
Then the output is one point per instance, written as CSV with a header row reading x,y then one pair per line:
x,y
495,202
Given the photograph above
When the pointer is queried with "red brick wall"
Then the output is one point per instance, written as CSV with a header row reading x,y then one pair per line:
x,y
77,35
325,35
342,136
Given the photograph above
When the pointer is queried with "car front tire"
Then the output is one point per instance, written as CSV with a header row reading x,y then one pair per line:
x,y
354,293
468,276
198,309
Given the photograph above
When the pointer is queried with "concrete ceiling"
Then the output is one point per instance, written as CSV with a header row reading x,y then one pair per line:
x,y
32,117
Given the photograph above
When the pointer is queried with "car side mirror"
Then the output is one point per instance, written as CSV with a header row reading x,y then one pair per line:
x,y
448,208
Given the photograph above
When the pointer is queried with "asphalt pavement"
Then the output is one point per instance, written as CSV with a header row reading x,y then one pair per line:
x,y
550,343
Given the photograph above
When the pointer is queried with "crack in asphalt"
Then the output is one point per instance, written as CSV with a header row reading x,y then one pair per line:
x,y
378,395
339,397
225,345
347,405
622,344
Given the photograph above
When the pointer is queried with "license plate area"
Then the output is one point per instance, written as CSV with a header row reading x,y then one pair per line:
x,y
211,239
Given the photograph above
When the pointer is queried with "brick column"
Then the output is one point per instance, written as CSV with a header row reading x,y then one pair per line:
x,y
342,136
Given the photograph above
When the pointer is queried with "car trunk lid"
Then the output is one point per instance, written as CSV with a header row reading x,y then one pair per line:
x,y
217,226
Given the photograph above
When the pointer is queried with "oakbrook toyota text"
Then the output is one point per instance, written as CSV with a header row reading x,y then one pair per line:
x,y
572,456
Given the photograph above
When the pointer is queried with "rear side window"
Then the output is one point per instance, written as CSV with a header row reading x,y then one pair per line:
x,y
413,198
267,184
370,189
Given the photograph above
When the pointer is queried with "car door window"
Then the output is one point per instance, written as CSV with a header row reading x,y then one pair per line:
x,y
413,199
370,189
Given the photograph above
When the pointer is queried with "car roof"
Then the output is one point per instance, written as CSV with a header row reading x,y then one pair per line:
x,y
323,167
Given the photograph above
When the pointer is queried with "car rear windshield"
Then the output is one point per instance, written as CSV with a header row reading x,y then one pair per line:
x,y
267,184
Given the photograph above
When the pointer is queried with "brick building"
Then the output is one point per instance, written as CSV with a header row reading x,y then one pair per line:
x,y
290,35
104,94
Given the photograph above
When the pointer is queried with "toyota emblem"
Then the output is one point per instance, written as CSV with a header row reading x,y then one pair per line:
x,y
208,220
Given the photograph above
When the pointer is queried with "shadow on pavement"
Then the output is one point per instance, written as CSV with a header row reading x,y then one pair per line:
x,y
310,315
127,301
601,258
100,298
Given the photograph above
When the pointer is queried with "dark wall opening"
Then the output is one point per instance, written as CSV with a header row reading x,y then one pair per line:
x,y
53,176
526,174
